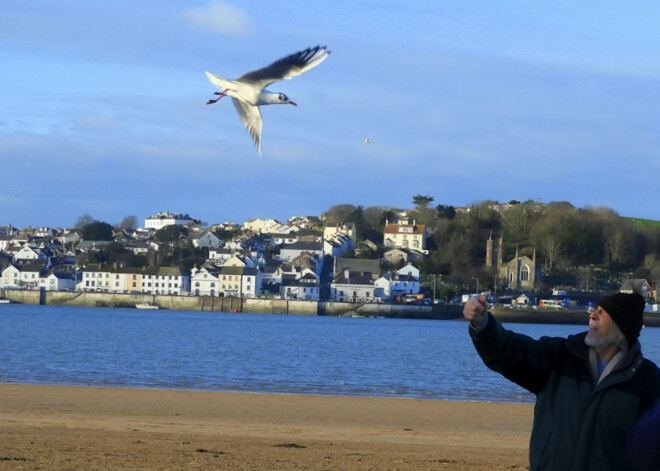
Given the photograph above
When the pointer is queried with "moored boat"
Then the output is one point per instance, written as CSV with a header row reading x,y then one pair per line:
x,y
146,306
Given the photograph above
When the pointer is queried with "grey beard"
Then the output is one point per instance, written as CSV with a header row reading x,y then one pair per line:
x,y
614,337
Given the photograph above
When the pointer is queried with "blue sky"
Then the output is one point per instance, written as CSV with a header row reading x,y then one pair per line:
x,y
104,107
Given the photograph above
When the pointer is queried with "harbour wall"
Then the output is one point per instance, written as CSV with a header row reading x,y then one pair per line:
x,y
298,307
232,304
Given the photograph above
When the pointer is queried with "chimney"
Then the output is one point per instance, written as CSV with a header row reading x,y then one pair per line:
x,y
346,274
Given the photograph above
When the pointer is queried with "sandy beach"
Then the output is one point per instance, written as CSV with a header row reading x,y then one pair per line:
x,y
81,428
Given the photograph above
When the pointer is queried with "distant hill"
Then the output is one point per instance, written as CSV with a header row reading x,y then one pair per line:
x,y
646,222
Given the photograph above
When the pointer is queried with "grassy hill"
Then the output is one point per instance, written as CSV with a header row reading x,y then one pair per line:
x,y
646,222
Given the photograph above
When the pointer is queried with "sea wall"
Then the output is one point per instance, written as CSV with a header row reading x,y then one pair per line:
x,y
297,307
231,304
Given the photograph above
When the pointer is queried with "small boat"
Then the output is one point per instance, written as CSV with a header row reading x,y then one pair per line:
x,y
146,306
5,301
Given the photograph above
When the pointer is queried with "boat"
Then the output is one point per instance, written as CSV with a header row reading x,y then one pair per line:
x,y
5,301
146,306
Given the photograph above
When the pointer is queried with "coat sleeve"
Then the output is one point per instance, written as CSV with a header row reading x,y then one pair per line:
x,y
644,440
521,359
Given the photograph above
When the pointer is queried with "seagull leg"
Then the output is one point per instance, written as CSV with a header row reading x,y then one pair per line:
x,y
216,100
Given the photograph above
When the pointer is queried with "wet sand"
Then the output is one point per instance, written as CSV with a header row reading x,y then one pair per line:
x,y
79,428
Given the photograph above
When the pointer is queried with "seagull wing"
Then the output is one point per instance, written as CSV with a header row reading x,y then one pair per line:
x,y
251,117
287,67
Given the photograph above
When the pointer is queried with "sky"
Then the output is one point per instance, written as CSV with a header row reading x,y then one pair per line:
x,y
103,107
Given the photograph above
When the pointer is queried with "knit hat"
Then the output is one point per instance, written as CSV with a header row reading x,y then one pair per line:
x,y
627,311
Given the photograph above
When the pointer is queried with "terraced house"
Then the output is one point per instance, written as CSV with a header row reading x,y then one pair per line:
x,y
153,280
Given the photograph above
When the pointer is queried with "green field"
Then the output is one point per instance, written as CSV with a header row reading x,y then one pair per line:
x,y
646,222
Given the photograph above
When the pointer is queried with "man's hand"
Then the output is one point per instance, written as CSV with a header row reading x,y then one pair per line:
x,y
475,311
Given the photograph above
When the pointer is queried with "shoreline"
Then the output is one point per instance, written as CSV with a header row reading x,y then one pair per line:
x,y
55,427
299,307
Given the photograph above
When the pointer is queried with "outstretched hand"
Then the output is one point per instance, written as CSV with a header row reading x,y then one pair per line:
x,y
475,311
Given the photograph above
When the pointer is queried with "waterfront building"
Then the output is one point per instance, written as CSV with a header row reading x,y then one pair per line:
x,y
305,286
353,286
204,282
165,280
399,283
58,281
153,280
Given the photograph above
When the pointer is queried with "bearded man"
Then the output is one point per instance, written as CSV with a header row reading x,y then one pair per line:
x,y
591,388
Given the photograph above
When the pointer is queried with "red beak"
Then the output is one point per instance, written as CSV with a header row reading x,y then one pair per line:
x,y
292,103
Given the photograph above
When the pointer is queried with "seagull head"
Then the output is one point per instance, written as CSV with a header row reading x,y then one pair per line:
x,y
285,99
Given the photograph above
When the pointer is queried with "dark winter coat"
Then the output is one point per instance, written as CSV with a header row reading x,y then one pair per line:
x,y
578,425
644,441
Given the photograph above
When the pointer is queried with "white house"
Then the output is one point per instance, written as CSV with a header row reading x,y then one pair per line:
x,y
337,245
204,282
28,253
405,235
397,284
22,276
58,281
304,286
165,280
219,256
353,286
162,219
251,282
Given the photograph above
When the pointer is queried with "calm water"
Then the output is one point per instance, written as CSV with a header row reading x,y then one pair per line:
x,y
258,353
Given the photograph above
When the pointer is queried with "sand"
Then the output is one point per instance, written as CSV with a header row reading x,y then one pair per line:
x,y
81,428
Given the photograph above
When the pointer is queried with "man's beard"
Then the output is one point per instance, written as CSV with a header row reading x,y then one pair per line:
x,y
613,337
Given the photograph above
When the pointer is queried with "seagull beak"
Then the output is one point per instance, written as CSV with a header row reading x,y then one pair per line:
x,y
292,103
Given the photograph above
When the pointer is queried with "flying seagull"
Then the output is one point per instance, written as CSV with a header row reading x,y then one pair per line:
x,y
248,91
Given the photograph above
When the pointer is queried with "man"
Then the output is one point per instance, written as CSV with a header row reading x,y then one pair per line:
x,y
591,388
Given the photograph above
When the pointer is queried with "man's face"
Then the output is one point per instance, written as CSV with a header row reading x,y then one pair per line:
x,y
603,332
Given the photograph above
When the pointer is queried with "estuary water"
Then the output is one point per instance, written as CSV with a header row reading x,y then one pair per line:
x,y
265,353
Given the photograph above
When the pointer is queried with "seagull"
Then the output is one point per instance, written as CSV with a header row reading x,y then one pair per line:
x,y
248,91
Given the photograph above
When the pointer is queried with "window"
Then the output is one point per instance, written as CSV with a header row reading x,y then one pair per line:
x,y
524,273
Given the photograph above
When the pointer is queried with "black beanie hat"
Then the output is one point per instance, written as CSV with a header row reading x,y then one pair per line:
x,y
627,312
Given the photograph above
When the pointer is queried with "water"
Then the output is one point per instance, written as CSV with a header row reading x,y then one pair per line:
x,y
256,353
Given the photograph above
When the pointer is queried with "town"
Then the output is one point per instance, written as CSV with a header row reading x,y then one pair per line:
x,y
349,254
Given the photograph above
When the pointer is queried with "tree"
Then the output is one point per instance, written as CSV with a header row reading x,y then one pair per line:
x,y
171,234
129,223
422,201
445,211
83,220
96,230
338,213
519,220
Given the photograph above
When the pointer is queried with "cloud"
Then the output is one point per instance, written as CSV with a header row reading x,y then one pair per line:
x,y
221,18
